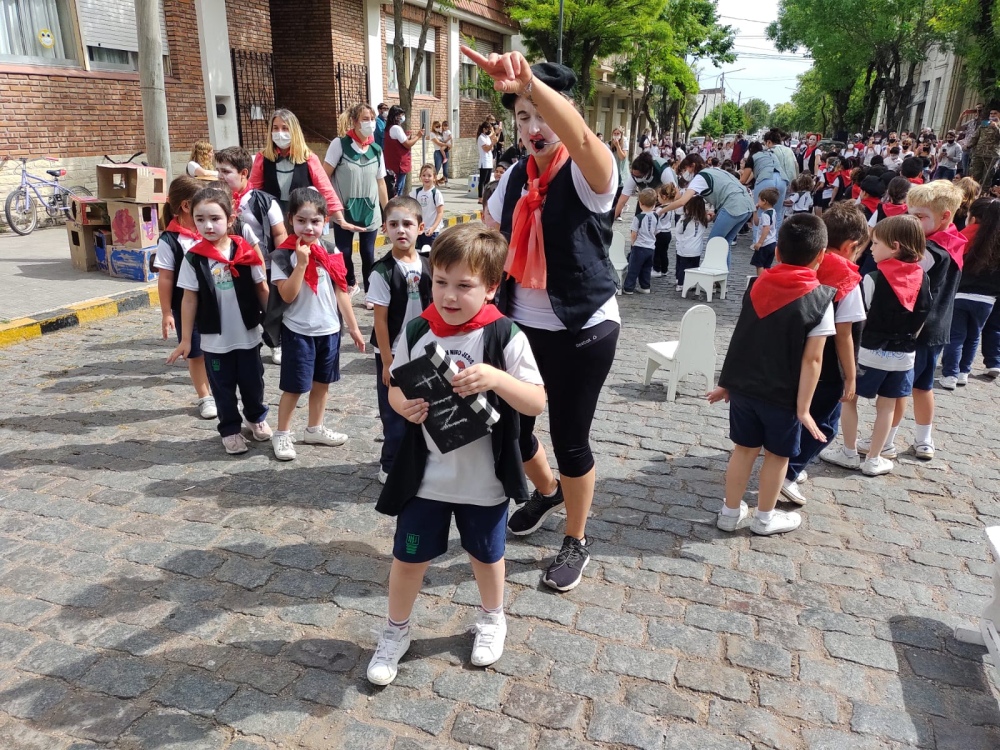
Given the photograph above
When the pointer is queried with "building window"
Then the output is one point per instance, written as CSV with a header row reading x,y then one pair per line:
x,y
390,64
469,74
411,41
109,58
37,31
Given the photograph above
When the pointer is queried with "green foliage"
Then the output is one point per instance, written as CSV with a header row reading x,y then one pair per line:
x,y
974,26
785,117
726,118
758,114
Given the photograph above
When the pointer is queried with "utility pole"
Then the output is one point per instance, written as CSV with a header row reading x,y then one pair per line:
x,y
154,94
559,48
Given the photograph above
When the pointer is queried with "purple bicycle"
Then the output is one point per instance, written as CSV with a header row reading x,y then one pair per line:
x,y
21,208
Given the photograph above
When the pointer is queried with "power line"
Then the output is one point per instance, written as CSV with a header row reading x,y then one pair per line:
x,y
748,20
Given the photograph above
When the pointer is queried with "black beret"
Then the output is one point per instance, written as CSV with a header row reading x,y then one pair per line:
x,y
873,186
555,76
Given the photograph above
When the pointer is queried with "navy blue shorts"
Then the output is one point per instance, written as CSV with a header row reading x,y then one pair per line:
x,y
754,423
308,359
423,525
924,366
195,336
886,383
763,258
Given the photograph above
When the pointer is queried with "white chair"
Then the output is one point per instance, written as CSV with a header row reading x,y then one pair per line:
x,y
619,261
692,354
472,190
984,633
713,270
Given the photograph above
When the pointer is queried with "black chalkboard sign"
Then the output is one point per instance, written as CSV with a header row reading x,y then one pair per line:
x,y
452,421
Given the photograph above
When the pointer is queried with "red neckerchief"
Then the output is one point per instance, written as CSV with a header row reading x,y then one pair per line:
x,y
243,254
855,191
871,203
486,315
831,177
838,272
845,177
904,278
808,153
781,285
238,196
363,142
970,232
526,253
318,256
894,209
175,227
951,240
916,180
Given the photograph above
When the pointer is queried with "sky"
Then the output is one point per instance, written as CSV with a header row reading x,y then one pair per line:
x,y
768,74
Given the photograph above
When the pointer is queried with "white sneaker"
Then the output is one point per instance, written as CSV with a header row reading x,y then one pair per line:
x,y
801,477
324,436
235,444
963,378
382,476
393,643
641,290
876,467
283,448
656,274
790,490
276,355
731,523
780,523
865,446
837,454
993,373
679,288
207,408
948,382
353,291
491,631
261,431
924,451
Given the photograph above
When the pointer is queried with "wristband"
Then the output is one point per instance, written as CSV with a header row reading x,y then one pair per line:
x,y
526,89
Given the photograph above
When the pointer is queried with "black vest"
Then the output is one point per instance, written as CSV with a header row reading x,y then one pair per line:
x,y
890,326
300,179
259,205
177,293
407,471
944,278
580,278
387,266
765,354
208,319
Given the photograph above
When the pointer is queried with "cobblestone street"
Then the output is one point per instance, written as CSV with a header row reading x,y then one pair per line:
x,y
156,593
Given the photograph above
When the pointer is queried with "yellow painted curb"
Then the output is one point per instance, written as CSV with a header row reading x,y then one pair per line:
x,y
88,312
22,329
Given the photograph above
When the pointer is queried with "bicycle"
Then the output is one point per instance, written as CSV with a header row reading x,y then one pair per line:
x,y
130,160
21,209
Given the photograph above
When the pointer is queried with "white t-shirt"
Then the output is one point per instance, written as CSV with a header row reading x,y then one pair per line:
x,y
429,201
893,163
532,307
690,239
310,313
234,332
679,154
466,475
665,223
445,139
380,294
644,225
397,132
802,202
851,309
336,150
485,157
826,325
630,187
165,253
877,358
274,217
767,228
192,168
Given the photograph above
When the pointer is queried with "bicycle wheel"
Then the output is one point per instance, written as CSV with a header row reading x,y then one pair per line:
x,y
79,190
20,211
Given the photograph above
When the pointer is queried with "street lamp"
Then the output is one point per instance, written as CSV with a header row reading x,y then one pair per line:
x,y
559,47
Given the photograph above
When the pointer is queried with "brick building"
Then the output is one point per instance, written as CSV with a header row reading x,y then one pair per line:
x,y
69,82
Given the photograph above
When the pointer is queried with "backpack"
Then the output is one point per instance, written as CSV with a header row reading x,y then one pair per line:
x,y
276,306
260,204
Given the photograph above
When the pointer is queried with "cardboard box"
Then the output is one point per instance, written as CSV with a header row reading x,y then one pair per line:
x,y
131,182
102,244
133,225
129,263
88,212
81,246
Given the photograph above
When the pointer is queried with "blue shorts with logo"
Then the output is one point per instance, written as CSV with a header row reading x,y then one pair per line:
x,y
754,423
308,359
422,530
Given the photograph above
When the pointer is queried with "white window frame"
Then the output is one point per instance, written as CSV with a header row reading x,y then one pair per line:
x,y
110,24
411,39
469,73
67,32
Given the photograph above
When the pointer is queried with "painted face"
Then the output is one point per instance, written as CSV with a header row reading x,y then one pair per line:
x,y
211,220
308,223
231,177
928,221
459,294
402,228
881,251
812,140
532,130
427,178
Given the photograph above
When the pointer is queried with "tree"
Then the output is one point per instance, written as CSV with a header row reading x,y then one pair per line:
x,y
785,117
974,26
400,53
726,118
758,113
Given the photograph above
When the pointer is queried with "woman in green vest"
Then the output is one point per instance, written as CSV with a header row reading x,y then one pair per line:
x,y
357,169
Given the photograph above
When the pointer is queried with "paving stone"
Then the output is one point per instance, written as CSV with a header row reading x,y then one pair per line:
x,y
799,701
544,606
763,657
545,708
57,660
611,625
733,579
253,712
551,739
890,723
331,655
495,732
830,739
565,647
955,735
707,678
680,737
267,675
481,689
675,566
652,605
685,639
946,669
834,621
18,611
175,732
637,662
659,700
575,680
861,649
94,717
621,726
31,698
245,573
718,620
197,693
302,584
122,677
402,706
14,642
327,688
755,724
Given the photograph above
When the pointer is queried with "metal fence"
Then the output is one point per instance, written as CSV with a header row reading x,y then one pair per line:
x,y
253,84
352,86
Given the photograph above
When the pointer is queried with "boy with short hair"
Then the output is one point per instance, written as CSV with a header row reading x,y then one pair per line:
x,y
912,170
473,482
764,220
770,373
400,289
640,260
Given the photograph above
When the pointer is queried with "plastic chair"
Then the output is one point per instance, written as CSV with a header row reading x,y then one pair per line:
x,y
692,354
714,269
619,261
472,190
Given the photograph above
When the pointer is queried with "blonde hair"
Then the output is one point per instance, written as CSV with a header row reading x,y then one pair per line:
x,y
647,197
667,191
939,196
355,112
905,230
298,151
200,153
971,191
480,247
343,124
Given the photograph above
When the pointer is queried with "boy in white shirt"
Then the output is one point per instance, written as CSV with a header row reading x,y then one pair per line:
x,y
472,482
763,249
431,208
640,261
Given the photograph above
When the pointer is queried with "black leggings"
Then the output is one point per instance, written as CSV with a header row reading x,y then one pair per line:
x,y
484,179
573,368
661,255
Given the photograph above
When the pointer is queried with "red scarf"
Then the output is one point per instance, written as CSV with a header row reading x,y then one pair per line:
x,y
363,142
781,285
845,177
916,180
243,254
318,256
526,253
951,240
871,203
175,227
838,272
486,315
855,191
894,209
970,232
831,177
904,278
238,196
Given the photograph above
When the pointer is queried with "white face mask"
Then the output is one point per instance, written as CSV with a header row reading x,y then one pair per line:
x,y
688,176
281,138
366,127
402,119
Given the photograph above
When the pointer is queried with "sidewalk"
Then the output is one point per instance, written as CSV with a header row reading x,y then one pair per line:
x,y
43,292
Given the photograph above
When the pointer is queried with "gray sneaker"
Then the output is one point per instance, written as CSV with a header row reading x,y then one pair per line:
x,y
792,492
731,523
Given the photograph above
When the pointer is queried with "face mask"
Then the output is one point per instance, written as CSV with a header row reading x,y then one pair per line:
x,y
281,139
366,128
402,119
688,176
645,179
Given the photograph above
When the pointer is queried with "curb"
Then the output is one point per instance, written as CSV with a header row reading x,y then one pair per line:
x,y
100,308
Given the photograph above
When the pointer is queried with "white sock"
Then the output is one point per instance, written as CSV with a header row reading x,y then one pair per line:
x,y
731,512
764,517
892,436
554,492
404,625
282,432
922,434
851,451
314,429
497,611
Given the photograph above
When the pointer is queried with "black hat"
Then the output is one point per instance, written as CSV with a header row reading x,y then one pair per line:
x,y
873,186
555,76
